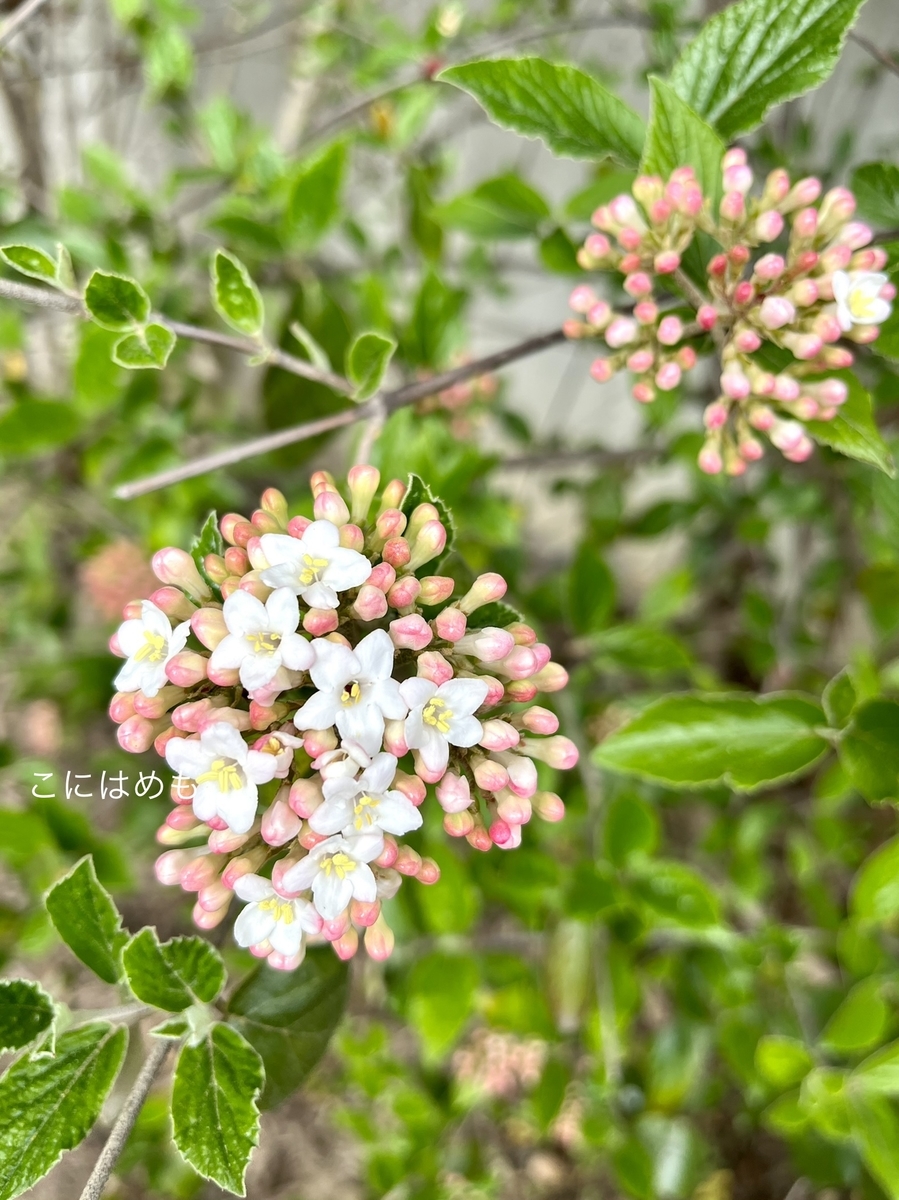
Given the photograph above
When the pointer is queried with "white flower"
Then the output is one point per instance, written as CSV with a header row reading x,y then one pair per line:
x,y
356,691
149,642
226,772
858,298
337,871
364,804
270,917
314,566
441,717
262,638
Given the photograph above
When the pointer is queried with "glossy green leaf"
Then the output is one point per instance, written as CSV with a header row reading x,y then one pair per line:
x,y
367,361
758,53
314,201
879,1073
208,541
876,189
875,1131
678,136
591,590
32,427
504,207
573,113
48,1104
441,1000
869,750
860,1021
31,261
289,1017
697,739
215,1118
25,1012
148,347
175,974
839,700
677,893
317,355
235,296
88,921
116,302
782,1061
853,431
631,827
418,492
875,890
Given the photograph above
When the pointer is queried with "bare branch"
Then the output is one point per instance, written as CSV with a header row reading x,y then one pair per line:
x,y
876,52
387,401
26,293
14,23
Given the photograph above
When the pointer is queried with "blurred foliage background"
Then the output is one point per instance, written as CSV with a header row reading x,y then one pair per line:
x,y
628,1005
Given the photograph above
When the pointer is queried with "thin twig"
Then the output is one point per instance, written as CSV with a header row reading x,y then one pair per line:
x,y
118,1135
876,52
370,435
14,23
275,357
391,401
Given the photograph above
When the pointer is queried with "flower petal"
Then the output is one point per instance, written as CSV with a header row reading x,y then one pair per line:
x,y
320,539
280,548
380,775
397,814
463,696
282,611
319,712
253,887
287,939
223,740
130,635
229,653
257,670
253,925
417,691
187,756
332,894
375,653
243,613
238,808
320,595
465,731
365,886
261,767
296,652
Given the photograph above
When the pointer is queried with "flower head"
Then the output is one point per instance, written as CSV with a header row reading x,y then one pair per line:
x,y
365,804
337,871
281,921
226,773
149,643
858,299
314,566
262,638
440,717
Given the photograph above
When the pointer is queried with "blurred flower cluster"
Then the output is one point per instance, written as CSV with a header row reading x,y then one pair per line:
x,y
310,656
821,285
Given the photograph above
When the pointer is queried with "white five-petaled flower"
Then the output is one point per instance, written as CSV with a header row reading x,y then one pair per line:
x,y
858,298
226,773
337,870
314,566
355,690
149,642
262,638
365,804
440,717
283,921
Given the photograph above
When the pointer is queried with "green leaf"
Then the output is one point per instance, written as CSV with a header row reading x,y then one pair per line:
x,y
148,347
677,893
441,1000
208,541
495,615
25,1011
116,302
638,647
88,921
782,1061
839,700
215,1118
869,750
34,426
875,889
367,361
879,1073
852,431
559,253
235,295
631,827
860,1021
31,261
759,53
418,492
48,1104
591,590
875,1131
174,975
504,207
573,113
432,332
317,355
876,189
677,136
696,739
289,1017
174,1027
315,195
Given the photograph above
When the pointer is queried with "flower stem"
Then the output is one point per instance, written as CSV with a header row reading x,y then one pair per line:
x,y
120,1131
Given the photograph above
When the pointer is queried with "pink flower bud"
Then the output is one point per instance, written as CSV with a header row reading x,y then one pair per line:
x,y
715,415
804,346
806,408
489,775
827,327
432,665
670,331
352,538
519,663
186,668
835,258
623,210
744,293
428,872
735,156
379,940
668,376
601,370
485,589
453,793
450,624
488,645
597,246
620,332
747,341
209,626
397,552
646,312
428,544
538,720
582,299
805,223
364,913
855,235
157,706
305,797
733,206
768,226
520,691
837,357
638,284
776,311
333,931
629,263
837,206
421,515
169,866
458,824
390,524
805,191
686,358
173,603
498,735
411,787
707,317
176,567
394,738
750,449
786,388
435,589
640,361
500,832
279,824
370,604
551,678
660,211
404,592
264,522
735,384
777,185
874,258
737,178
514,810
666,262
647,188
769,266
709,460
320,621
600,314
804,292
832,392
786,435
410,633
717,266
121,707
802,451
346,946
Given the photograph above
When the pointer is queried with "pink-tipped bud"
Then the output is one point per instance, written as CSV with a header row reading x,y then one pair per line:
x,y
451,624
514,810
640,361
305,797
489,775
430,542
136,734
500,832
352,538
769,267
208,624
646,312
666,262
805,223
435,589
364,913
707,317
599,314
390,524
173,603
548,806
363,483
407,861
410,633
582,299
186,668
623,210
832,392
638,284
404,592
827,327
228,525
498,735
379,940
835,258
735,383
837,206
776,311
747,341
320,621
370,604
855,235
458,824
786,435
279,824
805,346
670,331
737,178
411,787
333,930
170,865
519,663
629,263
804,292
715,415
709,460
801,452
428,872
768,226
157,706
630,238
874,258
551,678
805,191
559,752
121,707
432,665
485,589
668,376
686,358
621,332
601,370
520,691
786,388
176,567
744,293
733,207
346,946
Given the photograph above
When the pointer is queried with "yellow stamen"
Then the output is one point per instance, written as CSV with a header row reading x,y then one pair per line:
x,y
861,304
311,568
341,864
364,810
264,643
225,774
281,910
153,649
351,694
437,714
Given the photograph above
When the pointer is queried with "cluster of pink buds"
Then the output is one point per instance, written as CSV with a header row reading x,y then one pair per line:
x,y
306,685
792,272
463,401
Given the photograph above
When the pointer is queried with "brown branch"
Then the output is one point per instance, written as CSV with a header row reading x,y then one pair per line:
x,y
14,23
43,297
385,402
876,52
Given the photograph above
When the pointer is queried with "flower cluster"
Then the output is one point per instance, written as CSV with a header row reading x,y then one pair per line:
x,y
794,271
306,686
